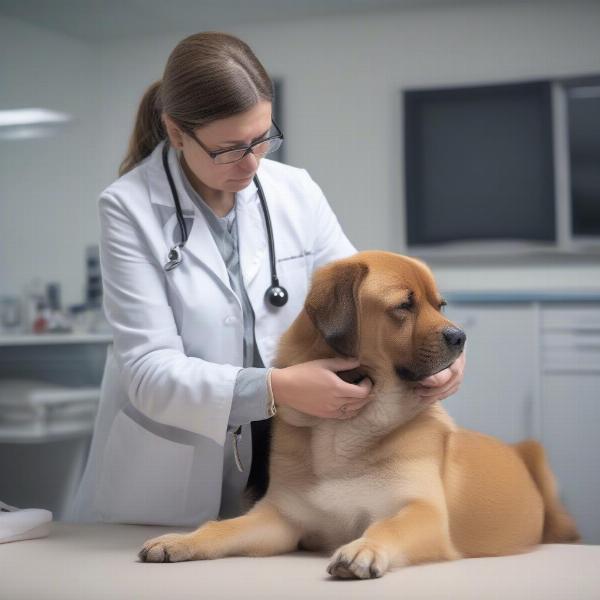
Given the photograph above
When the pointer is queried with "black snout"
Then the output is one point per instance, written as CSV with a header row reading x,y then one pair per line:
x,y
455,337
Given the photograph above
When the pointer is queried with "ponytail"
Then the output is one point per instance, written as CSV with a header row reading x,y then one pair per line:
x,y
148,130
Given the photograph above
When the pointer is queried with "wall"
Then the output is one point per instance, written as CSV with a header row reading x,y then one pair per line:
x,y
48,186
343,77
345,90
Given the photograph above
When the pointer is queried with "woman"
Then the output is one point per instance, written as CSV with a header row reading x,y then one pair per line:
x,y
184,292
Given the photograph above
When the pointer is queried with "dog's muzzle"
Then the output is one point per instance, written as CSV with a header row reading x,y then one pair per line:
x,y
454,342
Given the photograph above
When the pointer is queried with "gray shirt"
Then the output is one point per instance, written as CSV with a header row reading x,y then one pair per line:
x,y
250,398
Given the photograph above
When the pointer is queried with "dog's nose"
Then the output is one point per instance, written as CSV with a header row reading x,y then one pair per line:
x,y
455,337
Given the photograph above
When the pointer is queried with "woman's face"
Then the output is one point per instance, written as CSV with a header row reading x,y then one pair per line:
x,y
225,134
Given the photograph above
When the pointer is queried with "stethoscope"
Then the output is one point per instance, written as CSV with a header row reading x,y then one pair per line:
x,y
275,294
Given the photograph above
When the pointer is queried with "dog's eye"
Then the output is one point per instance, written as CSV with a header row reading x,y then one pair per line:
x,y
400,312
404,306
401,308
441,306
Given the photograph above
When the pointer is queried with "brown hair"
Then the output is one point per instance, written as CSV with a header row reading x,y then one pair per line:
x,y
208,76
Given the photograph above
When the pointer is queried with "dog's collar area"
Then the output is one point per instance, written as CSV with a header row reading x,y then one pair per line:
x,y
354,376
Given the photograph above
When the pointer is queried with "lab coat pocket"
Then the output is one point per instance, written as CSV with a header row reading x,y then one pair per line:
x,y
144,476
294,276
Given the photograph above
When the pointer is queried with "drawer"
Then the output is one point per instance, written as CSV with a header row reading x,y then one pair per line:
x,y
570,362
576,318
575,350
571,339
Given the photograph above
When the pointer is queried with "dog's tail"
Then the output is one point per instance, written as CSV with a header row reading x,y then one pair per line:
x,y
559,526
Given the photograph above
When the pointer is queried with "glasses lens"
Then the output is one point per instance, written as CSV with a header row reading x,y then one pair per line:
x,y
229,157
266,147
259,150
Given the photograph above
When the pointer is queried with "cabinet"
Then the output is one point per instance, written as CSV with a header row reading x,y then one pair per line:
x,y
570,416
571,436
533,370
497,394
40,465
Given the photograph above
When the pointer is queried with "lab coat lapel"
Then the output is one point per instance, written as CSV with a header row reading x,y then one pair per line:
x,y
252,235
200,245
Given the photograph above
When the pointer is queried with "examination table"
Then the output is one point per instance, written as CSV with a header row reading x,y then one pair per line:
x,y
82,562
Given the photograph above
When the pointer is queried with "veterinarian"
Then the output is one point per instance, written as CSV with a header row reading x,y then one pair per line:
x,y
204,266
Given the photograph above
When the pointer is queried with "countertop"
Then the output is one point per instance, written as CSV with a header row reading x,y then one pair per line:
x,y
82,562
522,296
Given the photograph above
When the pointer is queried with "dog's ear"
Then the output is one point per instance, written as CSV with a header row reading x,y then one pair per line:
x,y
332,305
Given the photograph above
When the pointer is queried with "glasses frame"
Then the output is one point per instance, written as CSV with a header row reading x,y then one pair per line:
x,y
247,149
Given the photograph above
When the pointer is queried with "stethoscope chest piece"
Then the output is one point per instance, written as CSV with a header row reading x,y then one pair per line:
x,y
174,257
277,296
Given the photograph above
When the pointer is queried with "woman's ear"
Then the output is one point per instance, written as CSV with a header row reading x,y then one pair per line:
x,y
173,131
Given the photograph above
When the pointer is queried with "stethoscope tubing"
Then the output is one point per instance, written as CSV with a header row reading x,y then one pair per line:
x,y
276,294
270,240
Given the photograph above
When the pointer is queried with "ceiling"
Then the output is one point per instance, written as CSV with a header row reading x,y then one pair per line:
x,y
100,20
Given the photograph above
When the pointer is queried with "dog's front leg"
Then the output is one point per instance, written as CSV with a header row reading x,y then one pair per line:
x,y
418,533
261,532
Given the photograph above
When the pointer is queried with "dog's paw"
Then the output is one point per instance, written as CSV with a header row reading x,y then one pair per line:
x,y
360,559
173,547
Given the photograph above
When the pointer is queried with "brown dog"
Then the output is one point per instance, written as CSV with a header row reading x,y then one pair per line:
x,y
399,483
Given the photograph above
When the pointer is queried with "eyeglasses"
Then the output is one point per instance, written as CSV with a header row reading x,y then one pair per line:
x,y
259,148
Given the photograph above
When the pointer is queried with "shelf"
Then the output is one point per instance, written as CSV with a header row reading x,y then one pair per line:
x,y
39,434
49,339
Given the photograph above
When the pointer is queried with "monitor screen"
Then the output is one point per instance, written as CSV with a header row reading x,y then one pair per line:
x,y
479,164
583,102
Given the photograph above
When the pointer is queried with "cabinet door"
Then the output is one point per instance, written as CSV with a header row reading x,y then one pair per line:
x,y
570,412
496,396
571,436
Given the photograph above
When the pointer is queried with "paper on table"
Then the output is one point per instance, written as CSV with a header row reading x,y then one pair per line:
x,y
23,523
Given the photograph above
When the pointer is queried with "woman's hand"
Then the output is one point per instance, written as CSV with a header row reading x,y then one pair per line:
x,y
443,384
313,388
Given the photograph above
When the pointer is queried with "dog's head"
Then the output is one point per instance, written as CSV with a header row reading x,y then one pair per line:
x,y
384,309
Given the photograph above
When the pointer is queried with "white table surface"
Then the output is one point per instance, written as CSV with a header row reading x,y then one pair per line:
x,y
82,562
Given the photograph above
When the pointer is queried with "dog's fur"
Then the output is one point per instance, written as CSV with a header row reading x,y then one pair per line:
x,y
399,483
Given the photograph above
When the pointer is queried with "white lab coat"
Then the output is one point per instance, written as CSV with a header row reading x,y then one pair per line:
x,y
161,451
